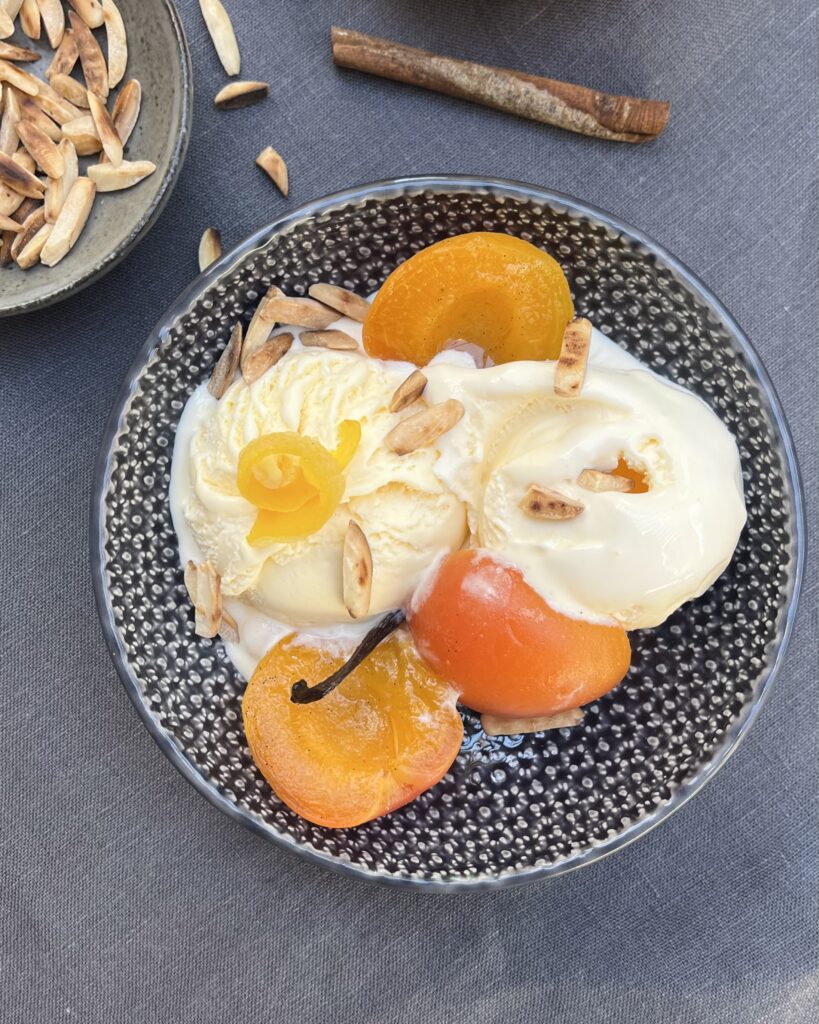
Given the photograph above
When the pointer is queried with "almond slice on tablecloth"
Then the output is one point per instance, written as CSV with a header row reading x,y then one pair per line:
x,y
221,32
210,248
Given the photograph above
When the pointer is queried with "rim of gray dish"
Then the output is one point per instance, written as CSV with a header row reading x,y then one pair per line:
x,y
102,267
442,183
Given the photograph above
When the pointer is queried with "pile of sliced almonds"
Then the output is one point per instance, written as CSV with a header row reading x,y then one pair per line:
x,y
259,349
47,125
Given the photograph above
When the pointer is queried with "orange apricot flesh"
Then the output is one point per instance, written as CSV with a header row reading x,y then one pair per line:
x,y
493,291
388,733
507,652
639,481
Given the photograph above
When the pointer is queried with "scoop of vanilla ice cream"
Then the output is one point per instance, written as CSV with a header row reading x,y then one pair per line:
x,y
407,512
630,559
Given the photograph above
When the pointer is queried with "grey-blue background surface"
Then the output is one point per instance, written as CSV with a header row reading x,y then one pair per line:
x,y
124,896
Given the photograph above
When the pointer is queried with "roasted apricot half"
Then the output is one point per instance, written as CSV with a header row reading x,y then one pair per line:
x,y
493,291
388,733
481,626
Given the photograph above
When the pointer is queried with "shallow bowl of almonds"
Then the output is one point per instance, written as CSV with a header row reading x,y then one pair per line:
x,y
447,532
95,111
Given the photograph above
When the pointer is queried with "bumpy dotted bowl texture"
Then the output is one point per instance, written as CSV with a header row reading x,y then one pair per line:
x,y
510,808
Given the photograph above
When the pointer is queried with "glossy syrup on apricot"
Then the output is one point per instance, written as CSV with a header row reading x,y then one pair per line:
x,y
481,626
490,290
390,731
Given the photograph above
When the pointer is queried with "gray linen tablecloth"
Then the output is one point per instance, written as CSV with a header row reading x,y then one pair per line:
x,y
124,896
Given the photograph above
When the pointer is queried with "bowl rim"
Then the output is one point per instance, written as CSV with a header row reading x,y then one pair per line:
x,y
383,189
157,204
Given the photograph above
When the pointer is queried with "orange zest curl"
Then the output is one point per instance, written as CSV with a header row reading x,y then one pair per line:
x,y
294,481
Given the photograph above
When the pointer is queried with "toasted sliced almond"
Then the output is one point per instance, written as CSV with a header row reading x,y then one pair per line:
x,y
190,573
240,94
57,107
540,503
494,726
574,355
228,628
258,330
204,587
357,571
257,360
90,11
25,160
595,480
21,80
91,58
30,226
273,165
30,253
9,224
58,188
6,25
53,16
339,341
225,369
117,43
30,19
408,391
109,137
346,302
210,247
108,178
11,7
65,58
83,133
221,32
10,201
299,312
20,208
8,123
70,89
425,427
19,179
126,109
70,222
8,51
31,111
43,151
24,210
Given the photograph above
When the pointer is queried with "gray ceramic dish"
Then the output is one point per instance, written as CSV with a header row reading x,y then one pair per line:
x,y
512,809
158,57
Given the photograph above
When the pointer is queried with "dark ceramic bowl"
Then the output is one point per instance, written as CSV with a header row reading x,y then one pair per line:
x,y
158,57
510,809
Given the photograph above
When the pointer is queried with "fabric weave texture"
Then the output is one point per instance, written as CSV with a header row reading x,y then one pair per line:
x,y
124,896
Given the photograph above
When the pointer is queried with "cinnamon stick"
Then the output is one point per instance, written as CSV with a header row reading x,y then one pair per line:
x,y
547,100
